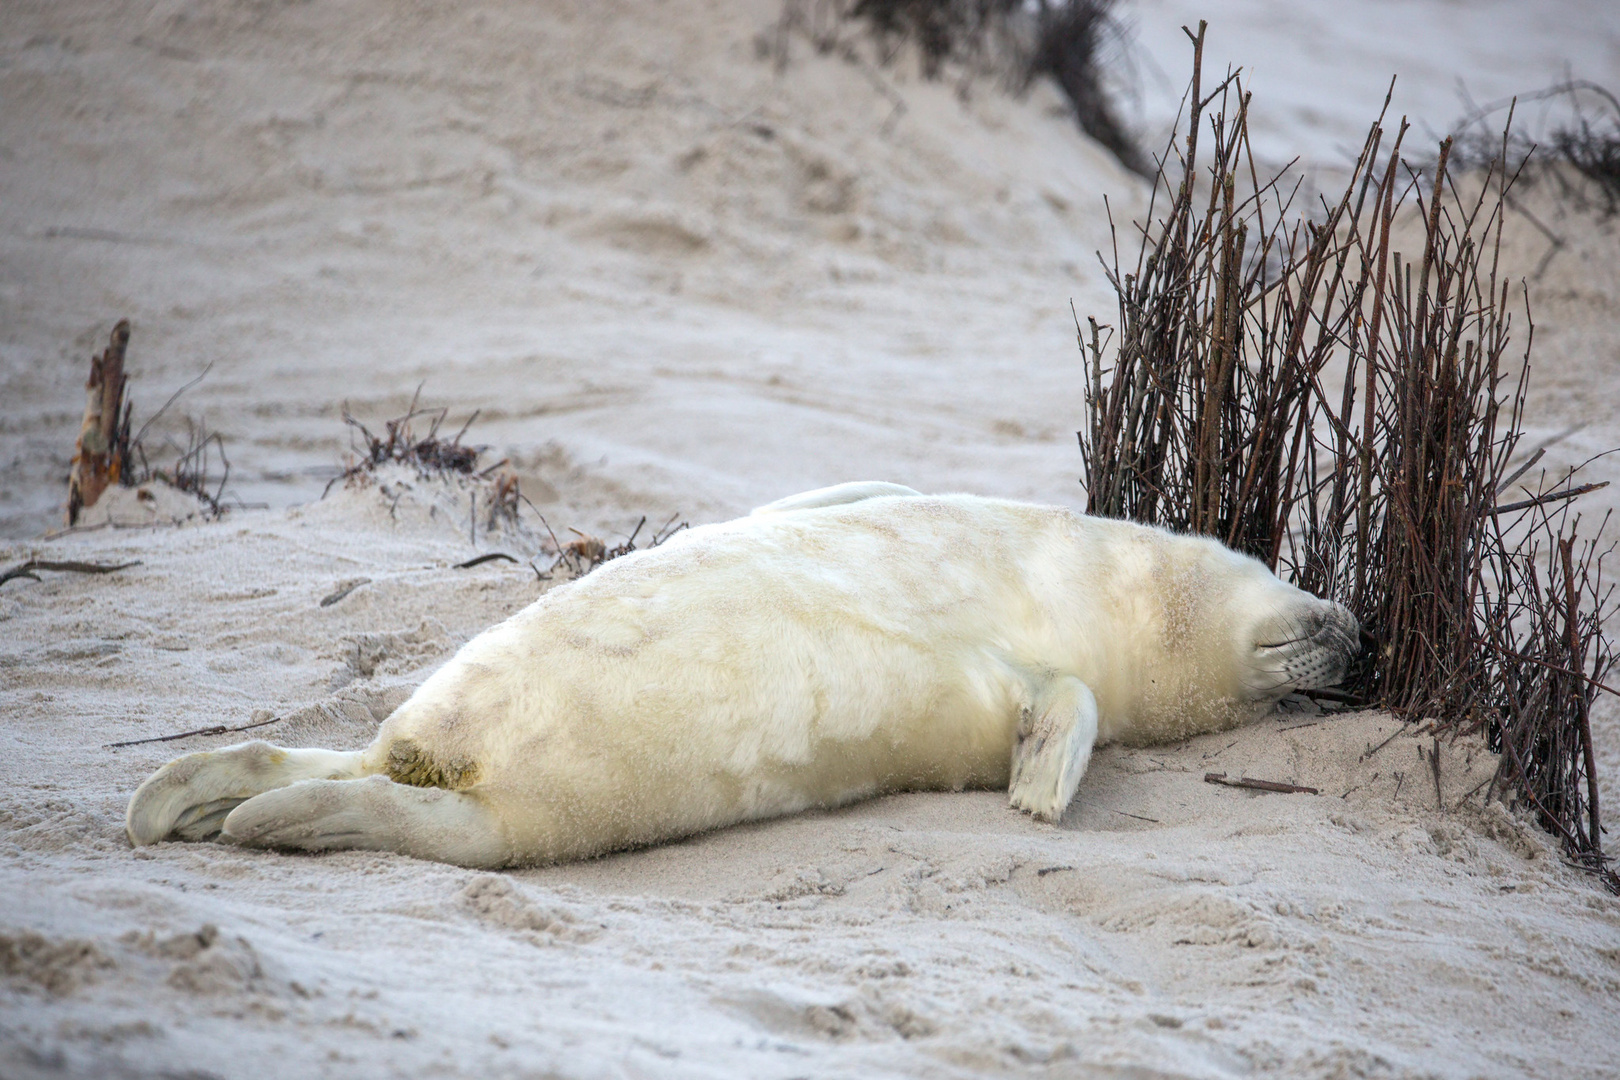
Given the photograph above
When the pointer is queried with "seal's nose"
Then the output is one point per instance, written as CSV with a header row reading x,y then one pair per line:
x,y
1346,627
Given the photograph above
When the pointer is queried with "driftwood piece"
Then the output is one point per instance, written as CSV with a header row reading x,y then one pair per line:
x,y
102,452
1259,785
26,569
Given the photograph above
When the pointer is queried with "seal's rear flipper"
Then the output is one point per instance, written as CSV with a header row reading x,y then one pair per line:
x,y
1056,732
189,797
374,814
837,495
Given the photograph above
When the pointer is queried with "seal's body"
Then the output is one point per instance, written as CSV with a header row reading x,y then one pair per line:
x,y
827,648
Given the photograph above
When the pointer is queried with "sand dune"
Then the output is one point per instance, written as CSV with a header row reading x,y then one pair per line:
x,y
678,279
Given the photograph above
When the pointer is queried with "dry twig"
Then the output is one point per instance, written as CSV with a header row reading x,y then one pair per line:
x,y
26,569
343,590
217,729
1259,785
482,559
106,454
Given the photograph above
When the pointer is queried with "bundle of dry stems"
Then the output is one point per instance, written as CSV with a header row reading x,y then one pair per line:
x,y
1293,384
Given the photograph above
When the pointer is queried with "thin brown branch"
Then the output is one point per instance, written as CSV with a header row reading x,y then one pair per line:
x,y
482,559
217,729
26,569
1259,785
1550,497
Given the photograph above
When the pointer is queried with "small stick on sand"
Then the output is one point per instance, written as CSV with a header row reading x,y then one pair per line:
x,y
26,570
1374,749
217,729
480,560
1259,785
343,590
1475,791
1434,761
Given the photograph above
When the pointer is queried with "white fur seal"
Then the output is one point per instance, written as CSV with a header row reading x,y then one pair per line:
x,y
832,646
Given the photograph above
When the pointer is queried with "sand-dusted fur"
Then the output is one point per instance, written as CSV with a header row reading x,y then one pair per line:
x,y
799,658
409,764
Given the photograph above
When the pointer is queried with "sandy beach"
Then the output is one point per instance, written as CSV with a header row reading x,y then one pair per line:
x,y
675,278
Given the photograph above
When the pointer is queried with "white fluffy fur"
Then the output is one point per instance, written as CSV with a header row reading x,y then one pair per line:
x,y
828,650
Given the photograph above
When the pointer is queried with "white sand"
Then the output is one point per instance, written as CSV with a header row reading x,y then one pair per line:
x,y
675,279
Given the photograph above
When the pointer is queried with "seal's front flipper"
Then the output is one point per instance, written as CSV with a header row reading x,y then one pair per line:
x,y
374,814
1056,731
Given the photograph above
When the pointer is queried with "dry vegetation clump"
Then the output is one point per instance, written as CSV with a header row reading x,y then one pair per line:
x,y
429,455
1298,387
1010,41
1577,151
494,488
1072,44
584,553
978,34
193,471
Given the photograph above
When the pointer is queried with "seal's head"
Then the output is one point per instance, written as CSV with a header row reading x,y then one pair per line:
x,y
1211,638
1291,640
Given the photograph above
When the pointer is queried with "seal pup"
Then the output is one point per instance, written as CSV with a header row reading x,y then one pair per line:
x,y
832,646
